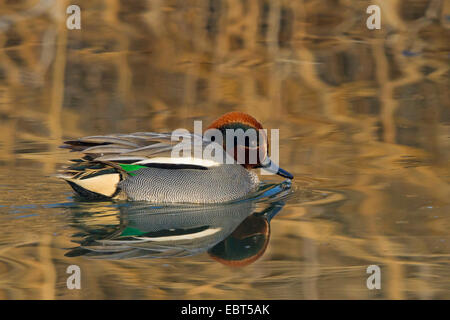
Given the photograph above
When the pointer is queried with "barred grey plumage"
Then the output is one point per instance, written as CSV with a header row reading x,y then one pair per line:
x,y
213,185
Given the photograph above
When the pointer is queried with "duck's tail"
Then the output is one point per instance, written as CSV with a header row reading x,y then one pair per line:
x,y
108,160
94,180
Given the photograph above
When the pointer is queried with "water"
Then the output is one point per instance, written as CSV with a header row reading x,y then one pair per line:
x,y
364,127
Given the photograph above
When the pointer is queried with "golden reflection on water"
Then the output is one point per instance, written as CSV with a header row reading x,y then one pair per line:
x,y
363,118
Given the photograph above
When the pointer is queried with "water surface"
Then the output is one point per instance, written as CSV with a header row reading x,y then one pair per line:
x,y
364,127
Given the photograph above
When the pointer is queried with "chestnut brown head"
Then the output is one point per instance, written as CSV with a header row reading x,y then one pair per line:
x,y
249,141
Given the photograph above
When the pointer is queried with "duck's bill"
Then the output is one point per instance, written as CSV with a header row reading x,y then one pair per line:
x,y
272,167
283,173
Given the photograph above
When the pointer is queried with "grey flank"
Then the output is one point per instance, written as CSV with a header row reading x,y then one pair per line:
x,y
216,184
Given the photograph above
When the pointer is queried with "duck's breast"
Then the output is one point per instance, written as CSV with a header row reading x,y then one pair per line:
x,y
212,185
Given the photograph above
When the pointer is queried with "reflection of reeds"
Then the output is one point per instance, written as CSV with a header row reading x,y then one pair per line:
x,y
355,107
57,93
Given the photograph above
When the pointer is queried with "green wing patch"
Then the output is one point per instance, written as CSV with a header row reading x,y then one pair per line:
x,y
131,232
130,168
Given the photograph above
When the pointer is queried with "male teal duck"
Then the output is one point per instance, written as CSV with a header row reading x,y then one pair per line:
x,y
141,167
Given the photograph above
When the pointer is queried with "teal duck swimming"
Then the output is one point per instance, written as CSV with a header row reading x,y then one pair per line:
x,y
141,167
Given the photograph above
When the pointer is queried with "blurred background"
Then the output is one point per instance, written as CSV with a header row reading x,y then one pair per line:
x,y
364,119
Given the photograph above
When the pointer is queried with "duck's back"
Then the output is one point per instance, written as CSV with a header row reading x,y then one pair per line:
x,y
212,185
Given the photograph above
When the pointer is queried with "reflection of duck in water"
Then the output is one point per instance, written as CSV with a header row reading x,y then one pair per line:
x,y
233,234
248,242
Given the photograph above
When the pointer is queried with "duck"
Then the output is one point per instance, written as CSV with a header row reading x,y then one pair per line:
x,y
141,166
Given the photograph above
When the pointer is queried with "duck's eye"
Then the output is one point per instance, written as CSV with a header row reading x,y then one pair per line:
x,y
251,142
